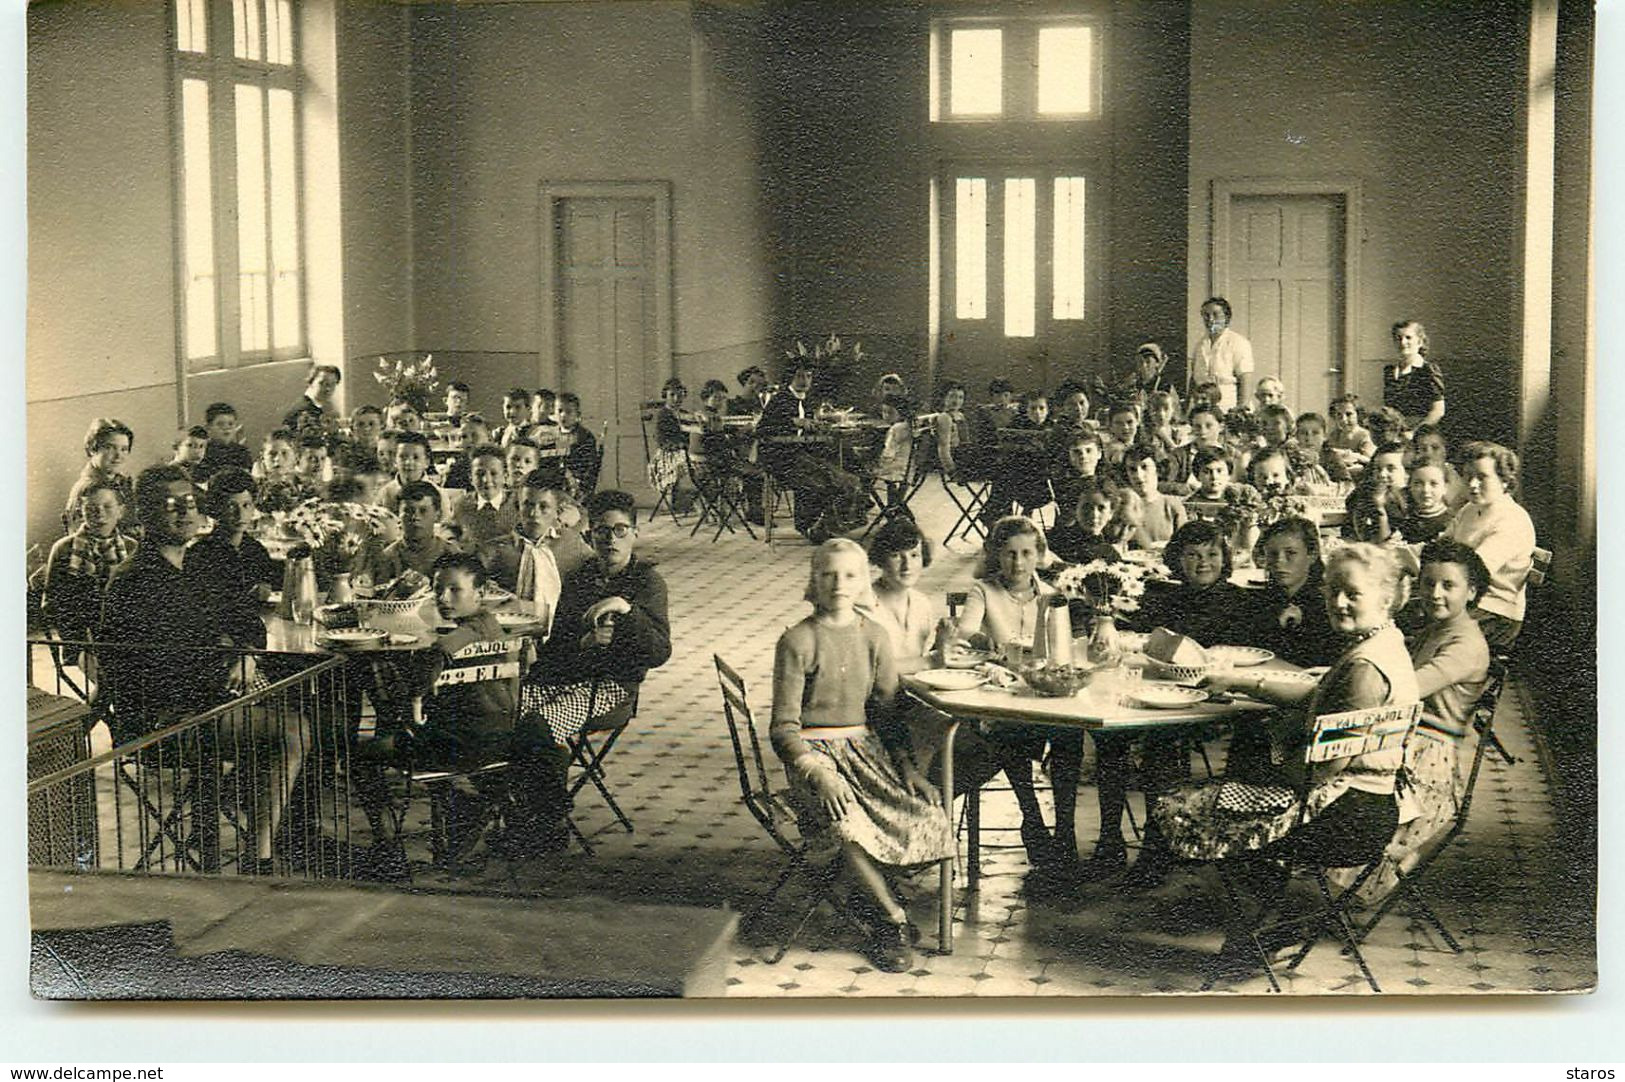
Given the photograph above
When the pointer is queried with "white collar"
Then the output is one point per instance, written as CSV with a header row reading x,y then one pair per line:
x,y
481,503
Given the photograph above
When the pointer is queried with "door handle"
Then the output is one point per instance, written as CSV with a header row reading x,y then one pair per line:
x,y
1334,371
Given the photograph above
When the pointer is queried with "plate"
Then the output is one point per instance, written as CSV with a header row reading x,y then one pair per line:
x,y
492,594
353,636
951,679
1165,697
1288,677
1240,656
509,620
967,659
401,638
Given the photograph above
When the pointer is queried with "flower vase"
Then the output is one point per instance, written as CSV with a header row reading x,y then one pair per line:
x,y
1242,541
1105,645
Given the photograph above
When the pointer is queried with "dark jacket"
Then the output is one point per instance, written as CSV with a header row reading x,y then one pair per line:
x,y
230,576
642,639
1296,629
1212,616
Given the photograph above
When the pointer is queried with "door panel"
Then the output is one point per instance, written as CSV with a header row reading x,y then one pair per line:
x,y
1286,283
606,308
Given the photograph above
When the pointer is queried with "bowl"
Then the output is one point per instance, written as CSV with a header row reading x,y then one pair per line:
x,y
396,608
1057,681
1179,674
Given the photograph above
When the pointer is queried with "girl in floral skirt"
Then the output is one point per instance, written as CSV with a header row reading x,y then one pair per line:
x,y
833,676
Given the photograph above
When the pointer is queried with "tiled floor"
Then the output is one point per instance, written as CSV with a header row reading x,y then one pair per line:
x,y
1500,889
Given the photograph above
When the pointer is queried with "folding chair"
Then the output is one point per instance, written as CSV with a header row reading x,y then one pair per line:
x,y
451,837
775,810
1411,868
891,503
720,494
665,495
588,750
1336,737
968,526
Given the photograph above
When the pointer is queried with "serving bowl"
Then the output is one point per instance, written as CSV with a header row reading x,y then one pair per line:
x,y
1056,681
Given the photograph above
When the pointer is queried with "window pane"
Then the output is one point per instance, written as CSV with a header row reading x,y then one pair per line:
x,y
1068,261
246,29
933,64
1020,255
279,32
253,285
1065,69
970,248
976,72
285,298
197,223
191,29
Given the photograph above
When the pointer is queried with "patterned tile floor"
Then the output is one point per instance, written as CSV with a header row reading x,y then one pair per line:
x,y
1520,920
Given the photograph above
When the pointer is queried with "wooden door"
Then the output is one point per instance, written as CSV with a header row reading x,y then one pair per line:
x,y
1286,269
607,340
1020,282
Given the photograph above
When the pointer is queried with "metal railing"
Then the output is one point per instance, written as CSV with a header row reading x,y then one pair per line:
x,y
257,782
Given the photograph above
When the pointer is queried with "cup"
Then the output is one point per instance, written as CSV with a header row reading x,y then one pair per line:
x,y
1016,653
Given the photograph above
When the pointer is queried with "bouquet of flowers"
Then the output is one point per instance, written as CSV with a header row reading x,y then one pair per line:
x,y
1243,507
831,351
414,381
340,529
1280,505
1106,587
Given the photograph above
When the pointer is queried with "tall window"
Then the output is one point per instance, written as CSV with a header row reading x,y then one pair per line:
x,y
240,262
1018,126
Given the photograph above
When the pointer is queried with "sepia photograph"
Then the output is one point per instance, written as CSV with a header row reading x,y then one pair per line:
x,y
778,499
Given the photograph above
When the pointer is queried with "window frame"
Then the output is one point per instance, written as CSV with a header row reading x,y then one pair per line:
x,y
1019,52
222,72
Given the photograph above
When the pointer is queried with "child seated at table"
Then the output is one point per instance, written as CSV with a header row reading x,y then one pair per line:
x,y
1123,428
1001,613
1388,425
1211,471
220,419
523,561
366,425
515,415
80,564
1271,472
1203,603
281,488
473,432
1162,414
1452,662
419,546
581,461
1274,426
891,463
522,457
315,460
1429,445
1288,616
1429,513
1378,500
1162,514
487,509
403,416
544,422
1207,433
108,443
1211,395
190,445
832,674
238,567
457,395
411,466
1314,453
465,725
1073,464
1349,439
1092,531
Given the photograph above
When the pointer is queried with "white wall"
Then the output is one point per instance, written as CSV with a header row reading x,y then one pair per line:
x,y
507,96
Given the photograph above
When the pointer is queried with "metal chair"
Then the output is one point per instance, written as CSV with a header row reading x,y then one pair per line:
x,y
1336,737
1412,868
720,494
588,750
665,495
775,810
452,836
